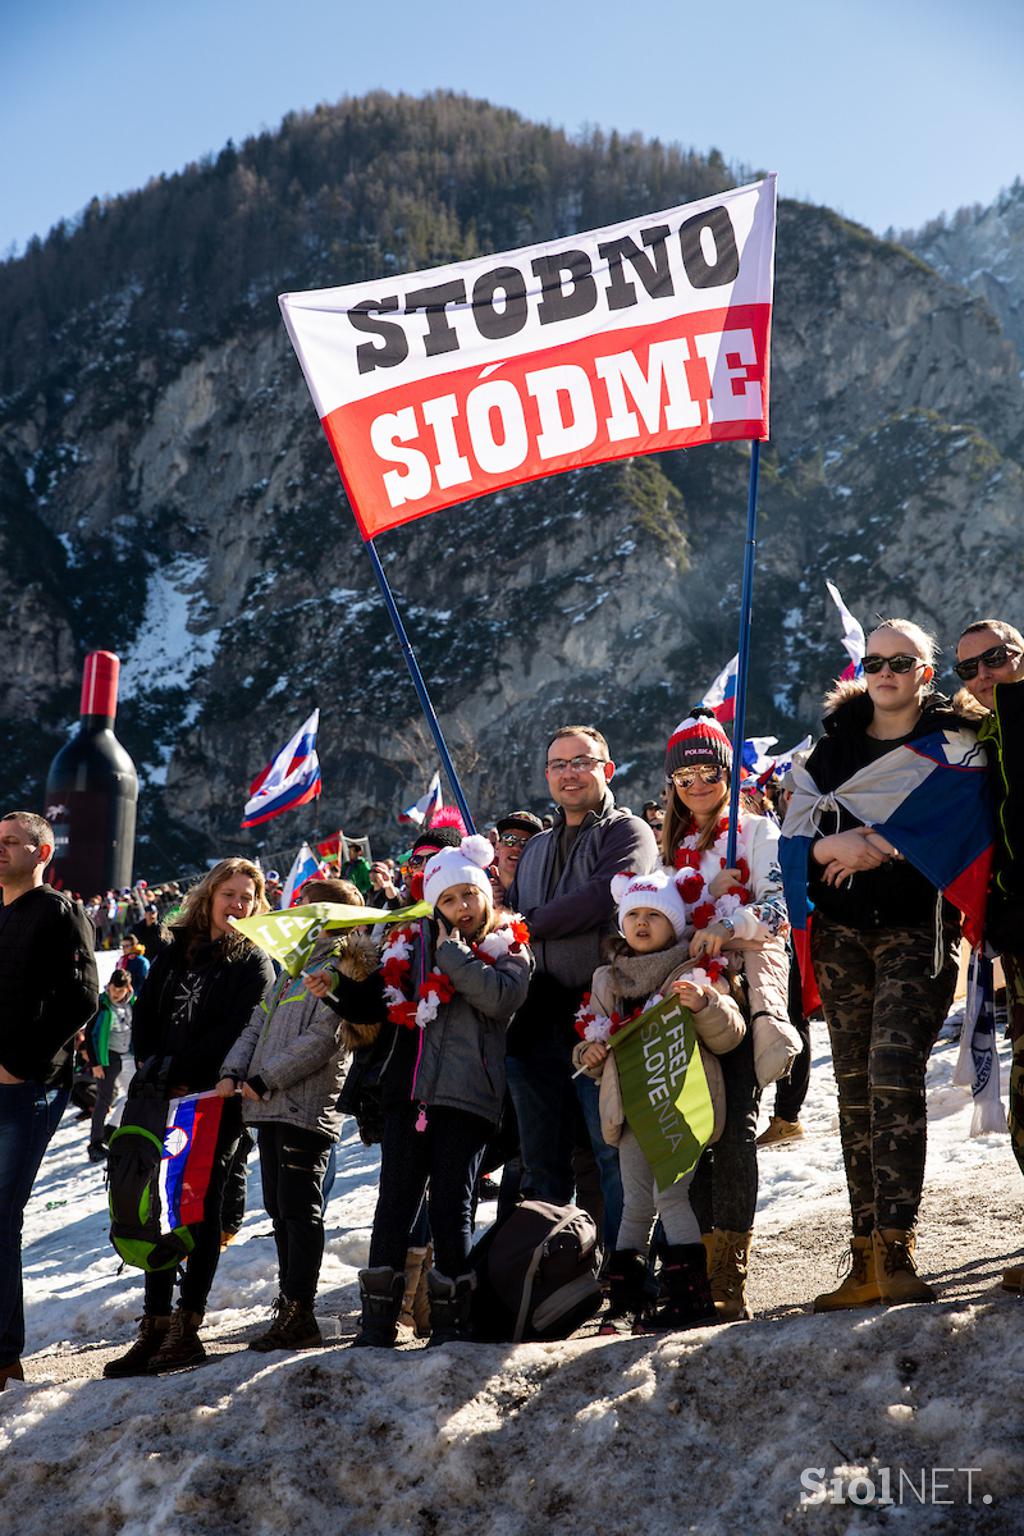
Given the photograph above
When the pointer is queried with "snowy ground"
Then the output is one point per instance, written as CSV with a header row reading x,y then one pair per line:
x,y
710,1432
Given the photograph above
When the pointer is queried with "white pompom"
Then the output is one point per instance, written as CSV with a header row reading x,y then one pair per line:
x,y
478,850
621,884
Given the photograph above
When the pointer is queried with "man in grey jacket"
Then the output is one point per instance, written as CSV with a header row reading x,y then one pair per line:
x,y
563,889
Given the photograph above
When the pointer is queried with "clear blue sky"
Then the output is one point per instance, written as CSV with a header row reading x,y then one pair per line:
x,y
888,110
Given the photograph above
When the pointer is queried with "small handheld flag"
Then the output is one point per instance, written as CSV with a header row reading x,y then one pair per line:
x,y
720,696
853,633
425,807
292,778
305,866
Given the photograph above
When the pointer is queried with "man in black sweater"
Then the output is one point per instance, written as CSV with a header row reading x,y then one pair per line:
x,y
48,991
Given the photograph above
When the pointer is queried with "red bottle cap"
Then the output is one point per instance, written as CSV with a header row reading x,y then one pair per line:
x,y
99,684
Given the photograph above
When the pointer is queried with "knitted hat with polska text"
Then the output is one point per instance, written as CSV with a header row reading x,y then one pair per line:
x,y
465,865
657,890
697,739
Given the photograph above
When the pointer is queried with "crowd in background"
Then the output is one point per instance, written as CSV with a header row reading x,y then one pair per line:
x,y
479,1038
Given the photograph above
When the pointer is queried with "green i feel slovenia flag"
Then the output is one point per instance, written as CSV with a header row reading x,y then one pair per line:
x,y
290,936
665,1095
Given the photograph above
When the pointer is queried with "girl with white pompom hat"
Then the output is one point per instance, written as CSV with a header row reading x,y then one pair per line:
x,y
449,986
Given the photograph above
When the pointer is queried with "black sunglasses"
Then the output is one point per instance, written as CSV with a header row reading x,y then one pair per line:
x,y
995,656
897,664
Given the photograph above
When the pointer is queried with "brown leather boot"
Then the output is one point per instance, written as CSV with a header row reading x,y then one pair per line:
x,y
898,1279
859,1286
728,1275
152,1332
182,1345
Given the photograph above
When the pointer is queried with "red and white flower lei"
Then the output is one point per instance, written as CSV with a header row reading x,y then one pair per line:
x,y
436,988
701,908
591,1024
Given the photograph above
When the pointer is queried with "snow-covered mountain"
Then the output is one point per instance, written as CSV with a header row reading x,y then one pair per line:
x,y
165,489
983,248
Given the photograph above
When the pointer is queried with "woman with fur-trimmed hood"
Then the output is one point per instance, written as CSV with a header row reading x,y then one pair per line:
x,y
884,945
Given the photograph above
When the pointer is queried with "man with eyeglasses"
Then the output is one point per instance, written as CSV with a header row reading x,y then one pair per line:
x,y
48,991
989,659
563,888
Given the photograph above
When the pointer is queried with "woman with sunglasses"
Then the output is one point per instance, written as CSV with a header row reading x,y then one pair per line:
x,y
884,948
726,906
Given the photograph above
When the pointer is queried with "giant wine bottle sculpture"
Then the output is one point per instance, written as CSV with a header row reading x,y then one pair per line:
x,y
91,792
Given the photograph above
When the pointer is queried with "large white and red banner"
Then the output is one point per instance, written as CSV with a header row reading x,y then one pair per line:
x,y
440,385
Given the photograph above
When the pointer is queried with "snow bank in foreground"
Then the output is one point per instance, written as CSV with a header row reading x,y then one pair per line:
x,y
711,1433
718,1432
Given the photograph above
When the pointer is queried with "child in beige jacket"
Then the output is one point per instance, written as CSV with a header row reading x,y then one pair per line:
x,y
652,962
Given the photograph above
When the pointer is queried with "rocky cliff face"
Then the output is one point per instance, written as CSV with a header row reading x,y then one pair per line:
x,y
182,507
983,248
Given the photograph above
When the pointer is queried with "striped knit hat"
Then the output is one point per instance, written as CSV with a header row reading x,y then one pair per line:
x,y
697,739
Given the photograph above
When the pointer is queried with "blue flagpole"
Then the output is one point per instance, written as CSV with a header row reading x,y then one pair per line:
x,y
746,604
419,685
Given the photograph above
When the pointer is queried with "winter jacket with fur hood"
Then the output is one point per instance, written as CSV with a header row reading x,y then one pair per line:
x,y
895,895
458,1059
295,1052
626,983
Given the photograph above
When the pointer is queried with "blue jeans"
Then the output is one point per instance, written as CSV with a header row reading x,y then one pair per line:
x,y
588,1092
29,1115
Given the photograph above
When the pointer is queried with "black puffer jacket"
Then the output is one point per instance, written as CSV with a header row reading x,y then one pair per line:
x,y
895,895
195,1004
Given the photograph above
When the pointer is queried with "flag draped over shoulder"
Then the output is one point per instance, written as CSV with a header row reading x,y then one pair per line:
x,y
929,798
651,334
665,1097
289,937
292,778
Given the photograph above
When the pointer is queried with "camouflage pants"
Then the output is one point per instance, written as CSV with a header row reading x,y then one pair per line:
x,y
1013,970
884,1010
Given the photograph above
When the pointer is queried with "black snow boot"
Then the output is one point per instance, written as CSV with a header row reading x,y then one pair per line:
x,y
380,1291
451,1307
627,1278
688,1302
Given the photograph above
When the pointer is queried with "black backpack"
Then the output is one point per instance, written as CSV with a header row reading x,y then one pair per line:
x,y
536,1274
133,1182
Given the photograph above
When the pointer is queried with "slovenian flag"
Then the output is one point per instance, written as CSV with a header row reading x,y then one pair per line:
x,y
784,761
426,806
854,641
305,866
720,697
756,760
291,779
190,1145
929,798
